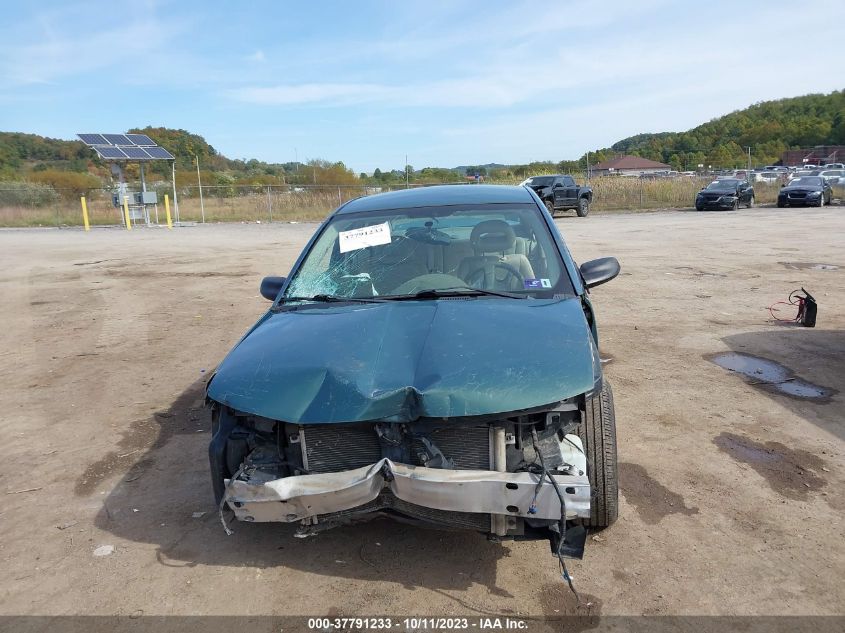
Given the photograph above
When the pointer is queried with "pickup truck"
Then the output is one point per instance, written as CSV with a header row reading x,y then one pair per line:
x,y
560,192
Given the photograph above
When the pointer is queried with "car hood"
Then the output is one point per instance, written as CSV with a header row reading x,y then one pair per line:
x,y
802,188
400,361
719,192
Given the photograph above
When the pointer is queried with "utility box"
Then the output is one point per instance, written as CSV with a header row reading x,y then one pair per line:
x,y
146,197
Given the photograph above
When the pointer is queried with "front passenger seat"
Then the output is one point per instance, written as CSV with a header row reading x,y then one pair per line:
x,y
490,241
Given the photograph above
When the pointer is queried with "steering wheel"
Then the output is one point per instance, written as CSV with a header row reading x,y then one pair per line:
x,y
512,272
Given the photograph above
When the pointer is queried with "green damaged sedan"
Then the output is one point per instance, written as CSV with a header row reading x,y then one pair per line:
x,y
432,357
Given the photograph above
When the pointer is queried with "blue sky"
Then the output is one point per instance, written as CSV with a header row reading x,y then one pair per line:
x,y
446,83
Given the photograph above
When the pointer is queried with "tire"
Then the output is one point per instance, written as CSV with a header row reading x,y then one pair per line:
x,y
750,204
583,207
697,208
781,205
821,200
598,435
735,205
551,207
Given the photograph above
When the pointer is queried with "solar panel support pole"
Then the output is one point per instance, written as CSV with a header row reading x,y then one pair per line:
x,y
199,183
175,199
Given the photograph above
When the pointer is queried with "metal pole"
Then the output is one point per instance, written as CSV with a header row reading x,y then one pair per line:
x,y
167,211
199,182
85,214
407,185
269,204
126,218
175,199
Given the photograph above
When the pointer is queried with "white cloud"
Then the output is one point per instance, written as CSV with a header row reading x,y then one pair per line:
x,y
294,94
55,49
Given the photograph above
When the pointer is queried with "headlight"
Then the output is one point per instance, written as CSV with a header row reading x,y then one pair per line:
x,y
813,194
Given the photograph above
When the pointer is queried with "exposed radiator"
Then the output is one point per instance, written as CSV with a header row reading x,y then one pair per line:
x,y
333,447
329,448
467,446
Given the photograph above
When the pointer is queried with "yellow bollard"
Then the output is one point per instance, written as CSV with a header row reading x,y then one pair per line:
x,y
126,213
167,211
85,214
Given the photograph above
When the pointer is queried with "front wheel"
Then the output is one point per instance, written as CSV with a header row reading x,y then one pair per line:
x,y
735,205
583,207
598,435
821,200
750,202
550,207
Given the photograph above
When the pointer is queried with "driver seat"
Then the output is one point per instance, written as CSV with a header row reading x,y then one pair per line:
x,y
491,240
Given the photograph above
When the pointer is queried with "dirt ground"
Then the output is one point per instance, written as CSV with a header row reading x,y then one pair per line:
x,y
732,494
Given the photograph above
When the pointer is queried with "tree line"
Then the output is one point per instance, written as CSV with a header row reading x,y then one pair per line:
x,y
768,128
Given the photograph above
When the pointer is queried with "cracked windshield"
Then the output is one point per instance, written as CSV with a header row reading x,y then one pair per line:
x,y
473,249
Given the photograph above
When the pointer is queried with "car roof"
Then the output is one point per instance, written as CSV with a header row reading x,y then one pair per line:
x,y
440,195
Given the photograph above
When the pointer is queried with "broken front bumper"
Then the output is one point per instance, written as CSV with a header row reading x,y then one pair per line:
x,y
499,493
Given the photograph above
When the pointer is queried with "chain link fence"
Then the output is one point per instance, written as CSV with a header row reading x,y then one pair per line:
x,y
25,204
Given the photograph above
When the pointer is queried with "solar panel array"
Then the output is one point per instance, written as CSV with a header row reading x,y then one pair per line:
x,y
125,147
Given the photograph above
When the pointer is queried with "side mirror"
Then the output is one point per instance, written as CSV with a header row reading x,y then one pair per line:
x,y
599,271
271,287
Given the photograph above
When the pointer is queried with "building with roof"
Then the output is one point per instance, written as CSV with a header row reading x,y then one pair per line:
x,y
819,155
628,166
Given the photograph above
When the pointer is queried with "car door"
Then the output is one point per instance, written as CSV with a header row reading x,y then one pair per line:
x,y
571,190
559,193
745,192
827,191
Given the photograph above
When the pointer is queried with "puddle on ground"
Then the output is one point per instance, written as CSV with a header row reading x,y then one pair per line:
x,y
808,266
652,500
768,374
788,471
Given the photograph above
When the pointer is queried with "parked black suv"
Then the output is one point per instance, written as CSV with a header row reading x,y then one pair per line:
x,y
560,192
726,193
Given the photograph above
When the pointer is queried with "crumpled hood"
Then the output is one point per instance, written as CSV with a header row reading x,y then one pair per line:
x,y
399,361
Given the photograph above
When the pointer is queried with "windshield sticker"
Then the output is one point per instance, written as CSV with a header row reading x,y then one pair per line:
x,y
530,284
355,239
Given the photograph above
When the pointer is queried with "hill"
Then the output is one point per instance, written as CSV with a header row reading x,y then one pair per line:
x,y
70,164
769,128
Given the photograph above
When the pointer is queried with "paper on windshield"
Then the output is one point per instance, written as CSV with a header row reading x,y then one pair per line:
x,y
375,235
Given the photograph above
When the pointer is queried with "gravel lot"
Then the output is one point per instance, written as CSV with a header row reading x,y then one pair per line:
x,y
732,493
